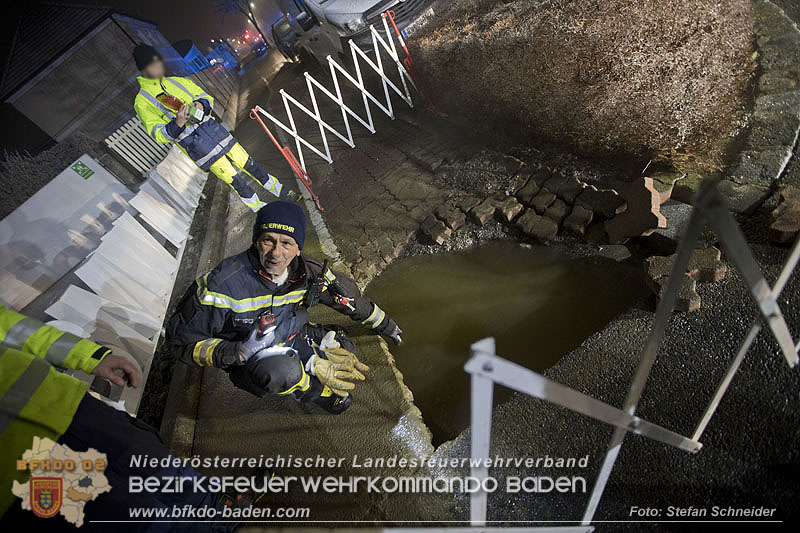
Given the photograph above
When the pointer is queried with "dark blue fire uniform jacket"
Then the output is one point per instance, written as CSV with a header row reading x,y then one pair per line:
x,y
223,307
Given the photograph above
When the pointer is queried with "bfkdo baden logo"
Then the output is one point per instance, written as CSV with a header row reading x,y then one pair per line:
x,y
46,495
62,481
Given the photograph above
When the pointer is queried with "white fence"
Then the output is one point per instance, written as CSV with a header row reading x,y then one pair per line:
x,y
486,368
382,102
132,143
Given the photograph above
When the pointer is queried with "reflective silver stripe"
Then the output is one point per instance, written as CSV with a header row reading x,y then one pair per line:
x,y
152,99
375,318
59,350
181,87
21,391
20,332
163,128
215,151
188,130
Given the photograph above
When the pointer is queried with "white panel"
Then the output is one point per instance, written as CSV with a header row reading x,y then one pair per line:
x,y
56,228
89,304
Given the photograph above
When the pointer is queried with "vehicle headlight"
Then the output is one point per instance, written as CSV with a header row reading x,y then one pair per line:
x,y
349,22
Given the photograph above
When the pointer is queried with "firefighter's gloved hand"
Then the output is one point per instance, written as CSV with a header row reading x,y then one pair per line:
x,y
390,329
257,341
339,368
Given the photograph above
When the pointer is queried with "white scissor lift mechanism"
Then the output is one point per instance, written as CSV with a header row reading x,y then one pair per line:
x,y
486,368
357,80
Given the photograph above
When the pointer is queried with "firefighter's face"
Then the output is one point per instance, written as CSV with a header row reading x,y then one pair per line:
x,y
154,70
276,251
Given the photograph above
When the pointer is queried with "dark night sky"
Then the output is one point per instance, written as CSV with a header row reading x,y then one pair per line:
x,y
198,20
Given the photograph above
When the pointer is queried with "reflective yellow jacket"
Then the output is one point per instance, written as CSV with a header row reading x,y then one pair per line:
x,y
35,398
205,143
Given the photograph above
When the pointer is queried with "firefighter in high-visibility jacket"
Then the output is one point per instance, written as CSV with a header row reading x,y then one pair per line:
x,y
166,106
248,316
39,400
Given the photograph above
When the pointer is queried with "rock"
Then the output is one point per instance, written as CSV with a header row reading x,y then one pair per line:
x,y
617,252
602,202
451,215
484,211
761,167
641,217
508,208
554,183
541,228
786,224
505,207
578,219
665,240
528,192
687,300
467,201
557,211
705,266
664,183
543,200
570,189
742,198
536,179
435,230
685,189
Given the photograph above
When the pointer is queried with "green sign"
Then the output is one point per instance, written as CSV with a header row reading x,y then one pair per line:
x,y
82,170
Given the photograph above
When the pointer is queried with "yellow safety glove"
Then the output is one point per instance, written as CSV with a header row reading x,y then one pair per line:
x,y
339,377
340,368
342,356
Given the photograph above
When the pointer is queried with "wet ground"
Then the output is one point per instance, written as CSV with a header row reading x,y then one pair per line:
x,y
376,197
536,302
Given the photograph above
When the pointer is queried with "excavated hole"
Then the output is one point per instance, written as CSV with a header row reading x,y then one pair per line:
x,y
538,304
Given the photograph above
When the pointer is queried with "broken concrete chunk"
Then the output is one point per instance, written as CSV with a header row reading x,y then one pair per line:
x,y
543,200
685,189
578,219
508,208
557,211
602,202
570,189
641,217
554,183
664,183
541,228
505,207
705,266
484,211
528,191
617,252
786,224
435,230
451,215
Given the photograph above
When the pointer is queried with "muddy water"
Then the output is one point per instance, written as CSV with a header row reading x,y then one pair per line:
x,y
538,304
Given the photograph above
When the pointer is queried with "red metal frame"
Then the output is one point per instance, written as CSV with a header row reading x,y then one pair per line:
x,y
290,158
409,64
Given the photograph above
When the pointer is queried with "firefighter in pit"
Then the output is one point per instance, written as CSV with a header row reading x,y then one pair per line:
x,y
175,110
248,316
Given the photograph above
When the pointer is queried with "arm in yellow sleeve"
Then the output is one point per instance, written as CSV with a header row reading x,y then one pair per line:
x,y
58,348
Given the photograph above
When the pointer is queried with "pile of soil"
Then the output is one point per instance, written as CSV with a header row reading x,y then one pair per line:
x,y
649,78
